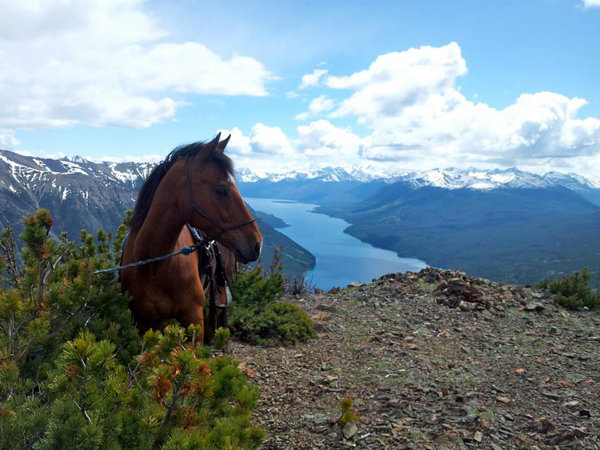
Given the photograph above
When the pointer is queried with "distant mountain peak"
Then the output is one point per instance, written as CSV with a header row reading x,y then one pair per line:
x,y
75,159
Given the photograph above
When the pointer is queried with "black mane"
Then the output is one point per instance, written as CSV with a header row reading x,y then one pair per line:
x,y
146,195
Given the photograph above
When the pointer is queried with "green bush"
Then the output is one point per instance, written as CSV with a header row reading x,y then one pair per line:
x,y
74,372
573,292
259,318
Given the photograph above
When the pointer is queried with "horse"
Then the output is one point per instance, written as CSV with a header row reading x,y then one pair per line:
x,y
194,184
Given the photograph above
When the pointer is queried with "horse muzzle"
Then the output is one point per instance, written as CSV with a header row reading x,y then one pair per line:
x,y
250,255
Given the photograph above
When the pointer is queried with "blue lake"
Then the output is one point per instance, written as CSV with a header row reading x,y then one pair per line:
x,y
341,258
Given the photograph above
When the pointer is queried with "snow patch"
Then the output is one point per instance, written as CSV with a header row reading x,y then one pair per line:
x,y
73,168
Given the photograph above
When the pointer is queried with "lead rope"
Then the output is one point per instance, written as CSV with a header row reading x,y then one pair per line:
x,y
184,251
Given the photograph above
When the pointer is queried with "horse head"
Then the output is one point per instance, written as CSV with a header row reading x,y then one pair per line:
x,y
214,203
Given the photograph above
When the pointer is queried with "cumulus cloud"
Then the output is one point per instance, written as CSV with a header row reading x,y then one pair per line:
x,y
100,63
317,106
322,139
416,117
312,79
591,3
238,143
269,140
416,113
397,80
8,140
410,103
269,149
263,140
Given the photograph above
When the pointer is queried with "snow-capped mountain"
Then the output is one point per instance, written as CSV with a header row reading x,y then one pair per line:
x,y
453,178
23,172
32,173
79,192
450,178
94,194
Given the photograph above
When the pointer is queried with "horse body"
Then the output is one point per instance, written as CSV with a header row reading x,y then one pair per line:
x,y
193,185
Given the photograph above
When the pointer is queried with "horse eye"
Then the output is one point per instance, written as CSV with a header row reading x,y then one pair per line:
x,y
222,192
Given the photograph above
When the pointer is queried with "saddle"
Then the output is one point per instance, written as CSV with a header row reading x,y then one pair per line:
x,y
213,277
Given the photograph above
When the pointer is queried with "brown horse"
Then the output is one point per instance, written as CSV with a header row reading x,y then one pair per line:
x,y
194,185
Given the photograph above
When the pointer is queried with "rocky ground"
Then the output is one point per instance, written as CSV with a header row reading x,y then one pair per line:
x,y
434,360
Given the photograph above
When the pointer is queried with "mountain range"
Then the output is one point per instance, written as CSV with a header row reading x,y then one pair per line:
x,y
508,225
83,194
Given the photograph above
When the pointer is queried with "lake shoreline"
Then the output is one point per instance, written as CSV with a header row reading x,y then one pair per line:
x,y
341,258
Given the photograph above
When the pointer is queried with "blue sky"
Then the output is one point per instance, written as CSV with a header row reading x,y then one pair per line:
x,y
403,85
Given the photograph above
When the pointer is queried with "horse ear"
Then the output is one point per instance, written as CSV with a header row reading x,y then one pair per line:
x,y
223,144
210,146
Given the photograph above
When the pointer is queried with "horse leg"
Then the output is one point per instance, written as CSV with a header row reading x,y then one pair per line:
x,y
193,316
142,327
222,317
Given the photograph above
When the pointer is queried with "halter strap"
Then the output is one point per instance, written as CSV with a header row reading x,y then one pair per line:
x,y
195,208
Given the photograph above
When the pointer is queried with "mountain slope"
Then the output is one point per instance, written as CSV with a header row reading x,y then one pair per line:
x,y
514,235
83,194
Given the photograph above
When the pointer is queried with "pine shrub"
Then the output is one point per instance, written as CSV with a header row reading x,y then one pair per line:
x,y
259,317
74,372
573,292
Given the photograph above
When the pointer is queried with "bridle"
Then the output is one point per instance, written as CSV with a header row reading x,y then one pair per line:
x,y
195,208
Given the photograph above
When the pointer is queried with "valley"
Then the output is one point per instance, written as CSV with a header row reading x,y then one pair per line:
x,y
505,225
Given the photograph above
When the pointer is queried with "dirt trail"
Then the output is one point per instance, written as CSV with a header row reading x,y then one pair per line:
x,y
435,360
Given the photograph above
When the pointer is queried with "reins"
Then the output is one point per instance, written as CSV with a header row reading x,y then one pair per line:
x,y
195,208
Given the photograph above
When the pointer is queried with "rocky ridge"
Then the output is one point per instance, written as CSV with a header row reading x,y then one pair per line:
x,y
433,360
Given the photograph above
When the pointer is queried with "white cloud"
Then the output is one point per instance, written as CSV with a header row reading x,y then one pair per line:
x,y
417,115
270,140
317,106
312,79
262,141
397,80
238,143
417,118
8,140
268,149
591,3
321,139
292,94
105,63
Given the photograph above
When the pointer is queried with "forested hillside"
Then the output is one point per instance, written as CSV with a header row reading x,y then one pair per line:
x,y
511,235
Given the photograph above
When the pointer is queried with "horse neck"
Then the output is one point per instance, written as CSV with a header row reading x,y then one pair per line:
x,y
160,231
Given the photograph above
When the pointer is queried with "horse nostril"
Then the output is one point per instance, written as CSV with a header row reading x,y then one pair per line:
x,y
257,249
